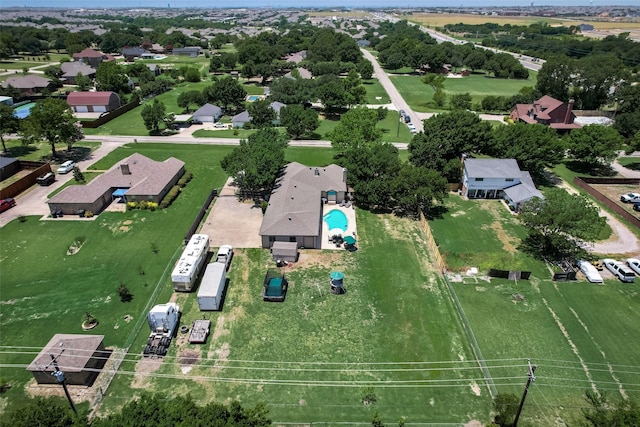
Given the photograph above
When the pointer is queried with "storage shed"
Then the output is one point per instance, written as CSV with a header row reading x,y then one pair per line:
x,y
286,251
80,357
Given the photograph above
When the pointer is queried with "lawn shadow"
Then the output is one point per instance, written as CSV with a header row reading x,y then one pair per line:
x,y
436,212
632,165
20,151
588,169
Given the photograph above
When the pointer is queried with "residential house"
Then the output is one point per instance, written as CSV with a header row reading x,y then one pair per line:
x,y
136,178
93,102
208,113
296,57
294,212
547,111
131,53
92,57
302,72
80,357
71,69
498,179
240,119
192,51
29,85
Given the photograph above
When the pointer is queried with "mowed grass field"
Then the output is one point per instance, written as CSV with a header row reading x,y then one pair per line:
x,y
578,334
419,96
311,358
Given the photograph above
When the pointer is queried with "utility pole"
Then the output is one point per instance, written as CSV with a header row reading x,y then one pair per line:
x,y
60,377
532,370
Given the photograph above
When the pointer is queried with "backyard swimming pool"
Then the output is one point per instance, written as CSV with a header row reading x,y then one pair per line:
x,y
253,98
23,111
336,219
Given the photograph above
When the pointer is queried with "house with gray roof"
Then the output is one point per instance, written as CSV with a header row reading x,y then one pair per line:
x,y
208,113
71,69
498,179
240,119
28,84
294,212
136,178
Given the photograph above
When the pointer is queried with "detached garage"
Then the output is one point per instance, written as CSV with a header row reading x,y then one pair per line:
x,y
93,102
208,113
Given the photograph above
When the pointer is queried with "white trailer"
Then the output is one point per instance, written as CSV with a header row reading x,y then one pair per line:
x,y
190,263
163,321
212,287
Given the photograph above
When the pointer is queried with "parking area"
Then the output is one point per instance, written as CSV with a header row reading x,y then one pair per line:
x,y
232,222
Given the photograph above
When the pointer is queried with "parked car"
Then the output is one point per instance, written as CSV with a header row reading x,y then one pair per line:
x,y
66,167
634,264
589,271
7,203
636,206
598,265
630,198
407,119
225,253
402,113
219,125
619,270
46,179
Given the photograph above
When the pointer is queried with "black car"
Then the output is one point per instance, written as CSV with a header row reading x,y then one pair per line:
x,y
46,179
636,206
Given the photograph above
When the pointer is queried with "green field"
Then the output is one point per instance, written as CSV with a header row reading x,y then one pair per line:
x,y
311,358
419,96
577,333
375,92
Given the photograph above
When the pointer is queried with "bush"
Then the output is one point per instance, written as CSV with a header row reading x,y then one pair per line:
x,y
123,291
132,206
88,214
185,179
170,197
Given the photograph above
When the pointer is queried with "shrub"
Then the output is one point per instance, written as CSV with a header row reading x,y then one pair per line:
x,y
152,206
88,214
132,205
123,291
170,197
143,204
185,179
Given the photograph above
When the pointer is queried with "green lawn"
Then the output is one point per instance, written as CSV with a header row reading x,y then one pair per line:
x,y
419,96
375,91
41,151
632,163
577,333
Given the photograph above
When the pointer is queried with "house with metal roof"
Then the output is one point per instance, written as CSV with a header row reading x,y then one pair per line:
x,y
80,357
93,102
136,178
498,179
294,211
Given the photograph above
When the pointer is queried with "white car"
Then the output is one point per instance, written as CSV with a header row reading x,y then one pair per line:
x,y
634,264
219,125
590,271
630,198
619,270
66,167
225,253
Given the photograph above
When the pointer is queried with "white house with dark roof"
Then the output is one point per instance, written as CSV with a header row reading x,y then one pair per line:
x,y
294,212
498,179
93,102
135,178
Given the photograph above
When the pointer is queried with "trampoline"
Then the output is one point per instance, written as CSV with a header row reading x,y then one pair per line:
x,y
274,287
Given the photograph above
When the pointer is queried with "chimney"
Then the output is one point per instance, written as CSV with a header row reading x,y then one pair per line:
x,y
316,172
567,116
344,175
124,168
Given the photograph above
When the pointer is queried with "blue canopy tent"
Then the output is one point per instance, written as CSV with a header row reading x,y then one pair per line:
x,y
120,193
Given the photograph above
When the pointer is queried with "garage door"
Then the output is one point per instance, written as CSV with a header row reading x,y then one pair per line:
x,y
99,108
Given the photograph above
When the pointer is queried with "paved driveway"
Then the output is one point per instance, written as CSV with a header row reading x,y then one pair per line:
x,y
231,222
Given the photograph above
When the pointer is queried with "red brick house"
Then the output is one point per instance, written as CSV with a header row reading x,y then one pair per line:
x,y
546,111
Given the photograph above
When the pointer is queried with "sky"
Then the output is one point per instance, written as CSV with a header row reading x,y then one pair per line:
x,y
91,4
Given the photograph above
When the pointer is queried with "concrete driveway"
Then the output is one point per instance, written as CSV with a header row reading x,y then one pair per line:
x,y
231,222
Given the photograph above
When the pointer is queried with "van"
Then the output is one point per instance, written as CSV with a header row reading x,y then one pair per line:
x,y
46,179
589,271
619,270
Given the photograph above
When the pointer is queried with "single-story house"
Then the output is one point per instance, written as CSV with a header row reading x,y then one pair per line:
x,y
28,84
93,102
191,51
208,113
9,166
71,69
136,178
498,179
294,211
92,57
131,53
239,120
302,72
547,111
296,57
80,357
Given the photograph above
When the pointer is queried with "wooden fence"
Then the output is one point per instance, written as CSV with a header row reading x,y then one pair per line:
x,y
91,124
583,182
433,247
37,169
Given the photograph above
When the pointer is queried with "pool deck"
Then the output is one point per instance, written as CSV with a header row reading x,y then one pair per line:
x,y
351,225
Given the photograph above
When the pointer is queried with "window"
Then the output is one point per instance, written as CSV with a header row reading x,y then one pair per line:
x,y
478,179
509,179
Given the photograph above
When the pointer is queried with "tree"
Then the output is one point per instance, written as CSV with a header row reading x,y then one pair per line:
x,y
83,82
331,92
52,120
356,92
436,81
215,63
191,74
227,93
292,91
555,77
506,406
229,60
298,120
594,145
415,189
262,115
185,99
111,77
356,129
50,411
9,123
153,114
595,77
559,225
627,118
475,60
365,68
534,146
461,101
601,413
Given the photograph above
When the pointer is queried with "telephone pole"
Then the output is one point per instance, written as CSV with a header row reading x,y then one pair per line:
x,y
532,378
60,377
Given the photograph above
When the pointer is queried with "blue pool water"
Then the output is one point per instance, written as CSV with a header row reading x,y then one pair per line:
x,y
23,111
336,219
253,98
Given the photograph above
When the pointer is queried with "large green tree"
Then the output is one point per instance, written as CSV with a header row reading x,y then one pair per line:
x,y
535,147
559,225
262,115
111,76
603,413
594,145
50,412
357,129
227,93
298,120
555,77
415,189
595,77
52,120
188,98
153,114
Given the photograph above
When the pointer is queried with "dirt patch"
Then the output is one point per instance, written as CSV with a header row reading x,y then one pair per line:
x,y
316,258
219,330
187,359
146,366
475,388
458,213
76,246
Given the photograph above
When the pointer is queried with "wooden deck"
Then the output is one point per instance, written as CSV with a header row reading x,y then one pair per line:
x,y
199,331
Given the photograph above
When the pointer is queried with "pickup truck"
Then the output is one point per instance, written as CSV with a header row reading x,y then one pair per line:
x,y
630,198
225,253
